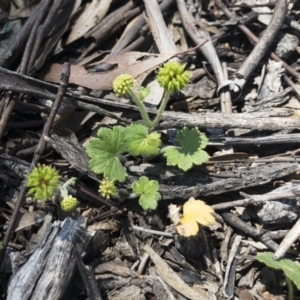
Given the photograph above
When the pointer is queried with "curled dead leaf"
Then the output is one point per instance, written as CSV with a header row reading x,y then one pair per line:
x,y
194,212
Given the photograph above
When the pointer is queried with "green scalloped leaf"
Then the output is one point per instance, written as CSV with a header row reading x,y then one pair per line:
x,y
148,192
290,268
139,142
105,152
192,142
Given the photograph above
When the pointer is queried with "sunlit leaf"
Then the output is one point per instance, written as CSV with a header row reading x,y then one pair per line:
x,y
192,142
105,152
195,212
290,268
139,142
148,192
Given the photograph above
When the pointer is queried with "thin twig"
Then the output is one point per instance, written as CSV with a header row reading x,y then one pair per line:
x,y
287,242
290,194
254,38
162,233
265,40
158,28
198,35
38,152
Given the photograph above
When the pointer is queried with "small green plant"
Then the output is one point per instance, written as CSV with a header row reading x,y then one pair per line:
x,y
290,269
43,182
171,76
107,150
148,192
68,203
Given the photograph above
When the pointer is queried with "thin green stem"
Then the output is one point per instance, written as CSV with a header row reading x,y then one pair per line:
x,y
161,108
290,288
142,108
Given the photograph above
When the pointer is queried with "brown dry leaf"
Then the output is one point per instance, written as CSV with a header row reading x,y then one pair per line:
x,y
174,213
127,64
170,277
194,212
103,81
92,14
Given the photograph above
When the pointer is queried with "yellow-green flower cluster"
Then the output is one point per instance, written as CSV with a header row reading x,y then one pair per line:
x,y
123,84
107,189
173,77
43,182
68,204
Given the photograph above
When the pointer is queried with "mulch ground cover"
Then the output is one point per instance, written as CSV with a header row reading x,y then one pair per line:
x,y
189,217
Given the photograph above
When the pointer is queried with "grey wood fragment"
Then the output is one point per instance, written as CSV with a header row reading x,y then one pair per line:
x,y
49,271
199,184
291,138
173,182
73,152
269,121
266,120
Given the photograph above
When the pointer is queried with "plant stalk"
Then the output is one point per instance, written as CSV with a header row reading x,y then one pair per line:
x,y
142,109
290,288
161,108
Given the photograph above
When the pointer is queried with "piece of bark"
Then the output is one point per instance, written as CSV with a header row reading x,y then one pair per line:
x,y
287,242
288,138
184,187
158,28
229,278
88,278
16,46
265,41
49,271
267,120
73,152
198,184
172,279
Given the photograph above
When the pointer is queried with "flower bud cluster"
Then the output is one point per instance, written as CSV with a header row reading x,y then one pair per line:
x,y
68,204
123,84
173,77
107,189
43,182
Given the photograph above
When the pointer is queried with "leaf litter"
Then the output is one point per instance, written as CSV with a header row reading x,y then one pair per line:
x,y
259,131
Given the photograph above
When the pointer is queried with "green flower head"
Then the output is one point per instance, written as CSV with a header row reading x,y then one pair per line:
x,y
172,76
43,182
123,84
107,188
68,204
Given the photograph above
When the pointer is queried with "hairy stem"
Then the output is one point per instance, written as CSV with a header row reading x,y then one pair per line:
x,y
161,108
290,288
142,109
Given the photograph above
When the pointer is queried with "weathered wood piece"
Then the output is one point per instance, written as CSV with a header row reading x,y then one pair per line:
x,y
204,185
258,121
49,271
173,182
267,120
73,152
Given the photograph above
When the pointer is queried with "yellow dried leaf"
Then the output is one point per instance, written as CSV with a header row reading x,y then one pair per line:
x,y
194,212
